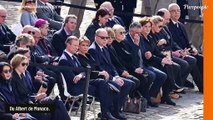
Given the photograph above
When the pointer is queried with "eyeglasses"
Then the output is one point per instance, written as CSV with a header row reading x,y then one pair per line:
x,y
7,71
31,32
122,33
25,64
33,1
104,38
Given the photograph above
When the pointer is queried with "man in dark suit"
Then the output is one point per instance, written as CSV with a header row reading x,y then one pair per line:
x,y
46,11
139,66
100,53
75,79
61,35
7,37
113,19
179,35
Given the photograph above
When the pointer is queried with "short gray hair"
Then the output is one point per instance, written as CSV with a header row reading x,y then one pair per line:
x,y
134,25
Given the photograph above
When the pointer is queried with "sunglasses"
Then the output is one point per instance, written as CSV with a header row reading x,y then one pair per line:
x,y
31,32
122,33
7,71
160,26
30,1
104,38
25,64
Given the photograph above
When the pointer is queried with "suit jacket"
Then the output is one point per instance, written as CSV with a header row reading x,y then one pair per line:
x,y
124,56
89,60
115,60
166,34
176,35
47,47
157,56
6,97
58,41
48,13
7,38
73,89
104,61
22,88
133,49
115,20
90,31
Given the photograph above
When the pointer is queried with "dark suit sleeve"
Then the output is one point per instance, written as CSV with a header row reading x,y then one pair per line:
x,y
68,74
57,44
90,33
3,115
55,24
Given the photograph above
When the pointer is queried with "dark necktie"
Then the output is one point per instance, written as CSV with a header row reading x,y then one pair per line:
x,y
76,62
176,24
2,30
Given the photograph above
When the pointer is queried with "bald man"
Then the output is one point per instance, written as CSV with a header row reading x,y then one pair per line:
x,y
113,18
7,37
188,51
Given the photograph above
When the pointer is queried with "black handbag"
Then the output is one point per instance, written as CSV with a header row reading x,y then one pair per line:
x,y
132,105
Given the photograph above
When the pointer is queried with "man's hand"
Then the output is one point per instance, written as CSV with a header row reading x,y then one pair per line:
x,y
125,73
139,70
105,74
119,81
177,53
39,96
161,42
166,60
148,55
77,78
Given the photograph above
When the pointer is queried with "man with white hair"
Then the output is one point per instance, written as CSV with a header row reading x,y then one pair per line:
x,y
179,35
113,19
7,37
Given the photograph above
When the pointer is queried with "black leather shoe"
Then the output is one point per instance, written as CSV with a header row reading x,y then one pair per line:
x,y
120,116
189,84
152,104
168,101
107,116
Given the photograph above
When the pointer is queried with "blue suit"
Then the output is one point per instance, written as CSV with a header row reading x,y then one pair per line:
x,y
154,75
104,61
97,87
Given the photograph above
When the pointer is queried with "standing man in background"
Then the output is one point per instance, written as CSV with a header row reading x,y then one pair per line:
x,y
78,12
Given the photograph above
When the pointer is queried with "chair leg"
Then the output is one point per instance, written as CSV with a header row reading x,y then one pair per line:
x,y
70,110
93,107
79,107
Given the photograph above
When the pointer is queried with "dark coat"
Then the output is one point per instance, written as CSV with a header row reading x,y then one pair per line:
x,y
6,97
58,41
7,38
104,61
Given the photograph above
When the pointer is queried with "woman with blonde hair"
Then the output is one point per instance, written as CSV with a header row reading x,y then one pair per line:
x,y
28,10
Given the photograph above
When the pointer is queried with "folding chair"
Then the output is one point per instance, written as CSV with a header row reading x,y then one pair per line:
x,y
75,98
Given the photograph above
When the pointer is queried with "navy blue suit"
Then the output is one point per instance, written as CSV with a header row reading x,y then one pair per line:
x,y
156,76
104,61
179,35
97,87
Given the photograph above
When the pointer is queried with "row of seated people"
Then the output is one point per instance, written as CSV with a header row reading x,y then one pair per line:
x,y
141,52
